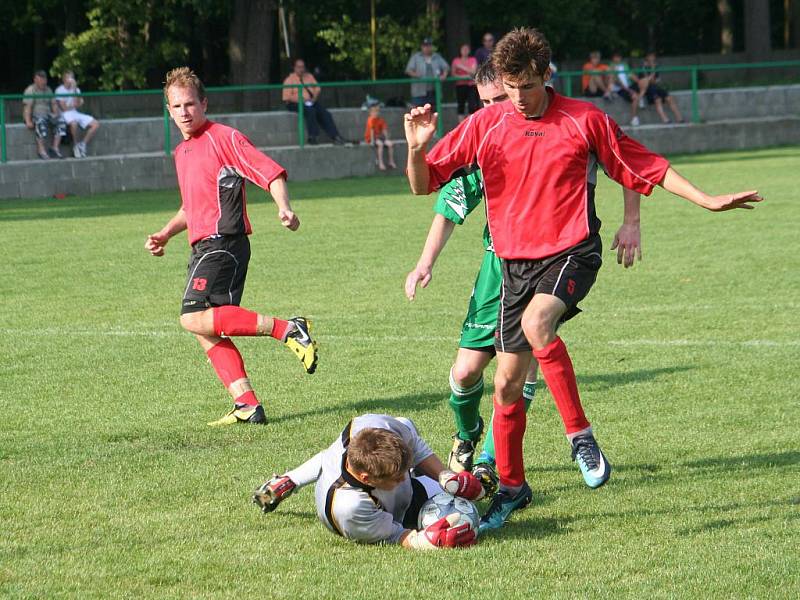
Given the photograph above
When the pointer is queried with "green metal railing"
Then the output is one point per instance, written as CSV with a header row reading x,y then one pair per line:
x,y
565,76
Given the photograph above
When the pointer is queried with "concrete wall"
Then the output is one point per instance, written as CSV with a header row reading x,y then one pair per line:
x,y
279,128
156,171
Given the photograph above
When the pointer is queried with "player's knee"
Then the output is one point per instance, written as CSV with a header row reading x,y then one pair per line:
x,y
191,322
465,374
539,328
506,390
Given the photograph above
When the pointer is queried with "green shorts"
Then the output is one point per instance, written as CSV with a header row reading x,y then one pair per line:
x,y
477,332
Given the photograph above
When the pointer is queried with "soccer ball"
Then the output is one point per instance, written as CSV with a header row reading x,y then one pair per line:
x,y
444,504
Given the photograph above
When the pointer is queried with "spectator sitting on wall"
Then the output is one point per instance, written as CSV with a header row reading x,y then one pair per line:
x,y
483,53
316,115
69,106
41,115
465,65
650,87
377,135
595,85
625,84
425,64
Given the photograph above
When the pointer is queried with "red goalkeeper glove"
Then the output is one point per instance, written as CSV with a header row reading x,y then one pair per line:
x,y
463,484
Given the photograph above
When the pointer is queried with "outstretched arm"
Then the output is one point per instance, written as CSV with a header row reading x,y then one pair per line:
x,y
156,241
628,240
420,125
439,233
680,186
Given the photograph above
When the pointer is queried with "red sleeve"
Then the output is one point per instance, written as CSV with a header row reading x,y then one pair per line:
x,y
252,163
457,149
625,160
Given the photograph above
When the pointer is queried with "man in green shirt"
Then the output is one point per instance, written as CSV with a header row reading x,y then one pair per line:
x,y
455,202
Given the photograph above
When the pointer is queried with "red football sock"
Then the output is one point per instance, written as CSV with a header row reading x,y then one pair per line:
x,y
560,377
235,321
508,429
279,327
229,366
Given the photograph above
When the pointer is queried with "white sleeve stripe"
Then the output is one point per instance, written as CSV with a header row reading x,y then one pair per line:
x,y
619,158
492,128
248,165
463,135
577,125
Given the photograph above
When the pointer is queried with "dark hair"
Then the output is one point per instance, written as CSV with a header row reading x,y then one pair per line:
x,y
486,75
40,73
380,453
522,53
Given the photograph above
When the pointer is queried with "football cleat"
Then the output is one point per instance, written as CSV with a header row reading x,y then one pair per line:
x,y
242,413
273,492
299,341
460,457
503,504
593,464
485,472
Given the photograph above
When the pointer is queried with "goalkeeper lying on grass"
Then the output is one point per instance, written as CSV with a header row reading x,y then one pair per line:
x,y
365,489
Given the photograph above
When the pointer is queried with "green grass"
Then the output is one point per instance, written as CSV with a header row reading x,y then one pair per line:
x,y
111,484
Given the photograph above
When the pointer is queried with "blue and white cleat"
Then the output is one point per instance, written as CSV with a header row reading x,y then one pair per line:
x,y
593,464
503,504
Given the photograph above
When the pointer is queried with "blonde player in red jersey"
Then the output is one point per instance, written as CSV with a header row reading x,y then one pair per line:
x,y
213,162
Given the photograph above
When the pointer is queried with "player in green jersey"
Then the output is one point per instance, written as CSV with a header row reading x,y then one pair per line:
x,y
455,201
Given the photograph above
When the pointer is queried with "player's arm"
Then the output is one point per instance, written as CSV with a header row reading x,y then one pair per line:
x,y
420,125
628,238
157,241
439,233
280,194
680,186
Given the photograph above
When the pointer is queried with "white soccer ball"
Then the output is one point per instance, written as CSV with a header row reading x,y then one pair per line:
x,y
444,504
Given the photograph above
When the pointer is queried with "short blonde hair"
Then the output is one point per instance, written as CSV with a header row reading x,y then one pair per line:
x,y
380,453
184,77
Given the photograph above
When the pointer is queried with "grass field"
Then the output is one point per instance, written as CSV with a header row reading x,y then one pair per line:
x,y
112,485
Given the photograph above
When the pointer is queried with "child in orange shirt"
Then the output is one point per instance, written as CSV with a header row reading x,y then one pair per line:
x,y
377,134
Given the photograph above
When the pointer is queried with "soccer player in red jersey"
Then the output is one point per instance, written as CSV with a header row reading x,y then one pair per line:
x,y
539,153
213,162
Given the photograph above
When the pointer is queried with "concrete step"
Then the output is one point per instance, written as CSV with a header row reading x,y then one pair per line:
x,y
279,128
154,170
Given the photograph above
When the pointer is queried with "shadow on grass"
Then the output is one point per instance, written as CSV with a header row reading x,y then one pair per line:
x,y
604,381
527,527
396,405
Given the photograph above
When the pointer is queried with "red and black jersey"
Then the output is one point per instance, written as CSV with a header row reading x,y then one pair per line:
x,y
540,173
212,167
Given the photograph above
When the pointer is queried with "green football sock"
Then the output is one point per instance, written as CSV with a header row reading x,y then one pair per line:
x,y
465,403
528,391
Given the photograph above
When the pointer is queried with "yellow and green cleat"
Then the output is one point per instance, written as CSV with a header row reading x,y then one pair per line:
x,y
299,341
243,414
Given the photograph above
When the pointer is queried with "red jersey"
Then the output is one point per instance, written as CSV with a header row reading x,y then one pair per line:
x,y
212,167
539,174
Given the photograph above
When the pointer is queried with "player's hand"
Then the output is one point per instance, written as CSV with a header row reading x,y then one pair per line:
x,y
289,219
155,244
463,484
628,244
419,276
442,534
731,201
420,125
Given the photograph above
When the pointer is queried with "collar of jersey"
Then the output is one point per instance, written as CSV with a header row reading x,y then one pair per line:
x,y
351,479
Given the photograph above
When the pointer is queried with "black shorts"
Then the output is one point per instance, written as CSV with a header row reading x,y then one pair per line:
x,y
217,270
568,276
627,93
654,92
467,99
